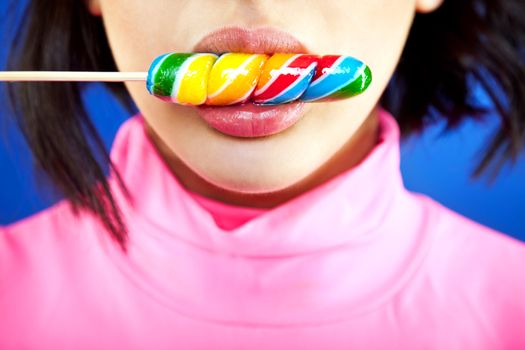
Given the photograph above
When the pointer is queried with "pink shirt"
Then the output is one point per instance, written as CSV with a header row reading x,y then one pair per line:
x,y
356,263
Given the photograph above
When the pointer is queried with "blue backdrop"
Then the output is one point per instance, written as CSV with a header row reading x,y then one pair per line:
x,y
435,163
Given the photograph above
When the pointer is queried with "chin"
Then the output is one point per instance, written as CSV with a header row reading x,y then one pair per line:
x,y
240,182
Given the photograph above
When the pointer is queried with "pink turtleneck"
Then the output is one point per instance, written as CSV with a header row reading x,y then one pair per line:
x,y
356,263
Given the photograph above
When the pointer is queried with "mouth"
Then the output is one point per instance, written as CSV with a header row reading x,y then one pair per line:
x,y
250,120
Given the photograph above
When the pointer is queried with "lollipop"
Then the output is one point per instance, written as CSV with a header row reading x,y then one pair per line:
x,y
282,78
234,78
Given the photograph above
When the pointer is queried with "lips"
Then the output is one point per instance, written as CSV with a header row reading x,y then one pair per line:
x,y
250,120
260,40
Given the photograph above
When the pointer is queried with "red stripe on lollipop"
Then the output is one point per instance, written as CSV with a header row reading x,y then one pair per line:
x,y
287,76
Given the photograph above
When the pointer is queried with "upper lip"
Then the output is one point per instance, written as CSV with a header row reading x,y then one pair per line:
x,y
264,40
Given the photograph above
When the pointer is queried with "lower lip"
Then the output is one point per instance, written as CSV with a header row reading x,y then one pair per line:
x,y
250,120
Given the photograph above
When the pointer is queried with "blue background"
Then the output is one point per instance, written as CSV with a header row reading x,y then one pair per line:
x,y
436,163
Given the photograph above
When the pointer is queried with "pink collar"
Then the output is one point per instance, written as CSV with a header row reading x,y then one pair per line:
x,y
342,248
359,200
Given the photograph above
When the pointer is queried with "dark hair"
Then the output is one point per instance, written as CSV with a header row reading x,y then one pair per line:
x,y
463,40
64,142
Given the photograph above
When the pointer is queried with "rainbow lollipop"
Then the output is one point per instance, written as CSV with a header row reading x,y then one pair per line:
x,y
233,78
236,78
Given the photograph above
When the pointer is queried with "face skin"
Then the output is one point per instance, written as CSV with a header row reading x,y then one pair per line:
x,y
261,172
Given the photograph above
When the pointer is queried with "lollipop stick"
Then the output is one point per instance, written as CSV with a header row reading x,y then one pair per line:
x,y
72,76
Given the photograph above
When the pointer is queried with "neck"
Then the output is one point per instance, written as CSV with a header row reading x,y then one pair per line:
x,y
351,154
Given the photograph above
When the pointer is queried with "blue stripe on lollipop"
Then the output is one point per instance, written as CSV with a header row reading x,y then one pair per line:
x,y
152,71
337,77
294,91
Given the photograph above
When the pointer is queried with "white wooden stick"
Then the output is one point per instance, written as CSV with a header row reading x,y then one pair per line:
x,y
72,76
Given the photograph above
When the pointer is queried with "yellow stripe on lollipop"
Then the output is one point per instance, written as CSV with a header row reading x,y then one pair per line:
x,y
233,78
193,87
271,72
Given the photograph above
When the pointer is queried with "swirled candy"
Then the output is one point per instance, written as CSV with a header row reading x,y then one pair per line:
x,y
234,78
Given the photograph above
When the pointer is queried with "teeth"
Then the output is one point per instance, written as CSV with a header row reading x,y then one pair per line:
x,y
232,78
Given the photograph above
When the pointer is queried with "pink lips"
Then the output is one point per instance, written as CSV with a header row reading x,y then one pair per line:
x,y
260,40
249,120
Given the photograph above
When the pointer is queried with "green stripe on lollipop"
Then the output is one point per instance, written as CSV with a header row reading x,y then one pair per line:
x,y
162,77
357,86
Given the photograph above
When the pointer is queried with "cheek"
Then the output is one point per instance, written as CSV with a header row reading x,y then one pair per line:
x,y
385,34
139,31
374,31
